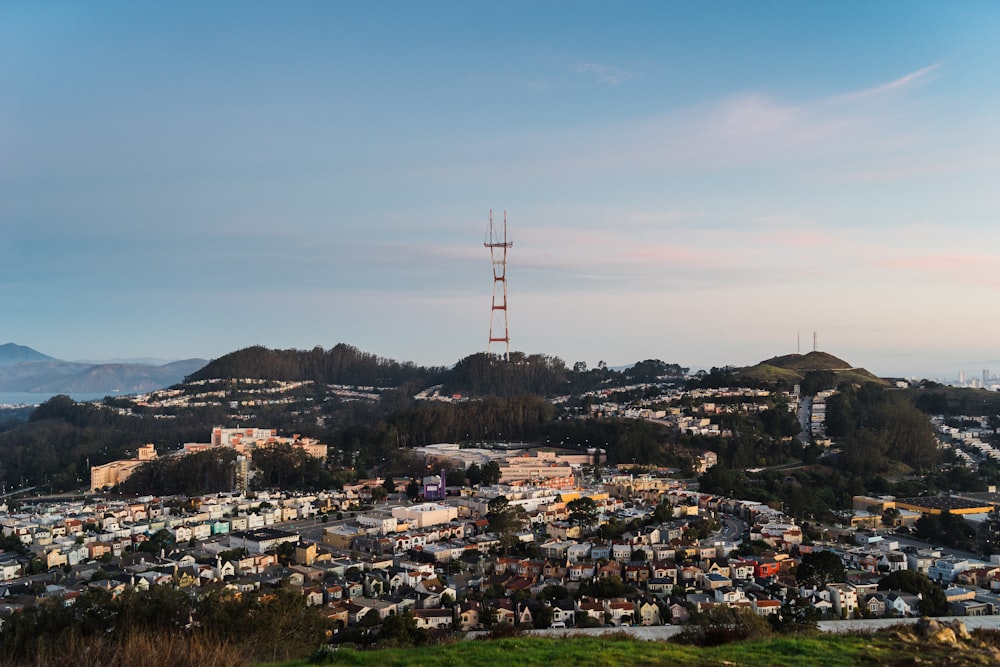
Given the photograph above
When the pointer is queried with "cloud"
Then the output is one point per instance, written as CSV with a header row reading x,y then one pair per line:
x,y
967,269
918,77
610,75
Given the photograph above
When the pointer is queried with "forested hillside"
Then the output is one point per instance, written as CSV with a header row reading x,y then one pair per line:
x,y
341,364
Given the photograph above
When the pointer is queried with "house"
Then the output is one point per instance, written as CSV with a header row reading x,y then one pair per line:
x,y
437,619
766,607
766,567
470,616
649,613
592,609
678,613
622,612
904,604
564,612
844,598
875,605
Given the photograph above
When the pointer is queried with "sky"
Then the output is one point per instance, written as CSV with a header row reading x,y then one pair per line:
x,y
706,183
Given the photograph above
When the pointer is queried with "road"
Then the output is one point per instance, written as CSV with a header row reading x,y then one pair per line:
x,y
732,528
664,632
805,408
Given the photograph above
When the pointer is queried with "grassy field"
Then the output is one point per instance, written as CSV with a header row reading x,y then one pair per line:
x,y
614,651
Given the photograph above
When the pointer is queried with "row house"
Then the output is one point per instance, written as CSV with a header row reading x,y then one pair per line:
x,y
433,619
635,574
591,608
563,613
947,569
844,599
729,596
554,569
978,576
663,569
621,611
660,586
11,566
581,571
576,553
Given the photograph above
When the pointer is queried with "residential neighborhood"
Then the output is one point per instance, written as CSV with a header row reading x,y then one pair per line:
x,y
651,551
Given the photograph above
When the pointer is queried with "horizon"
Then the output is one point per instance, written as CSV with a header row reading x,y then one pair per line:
x,y
692,183
972,369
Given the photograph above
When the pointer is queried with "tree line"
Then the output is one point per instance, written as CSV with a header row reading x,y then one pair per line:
x,y
876,425
341,364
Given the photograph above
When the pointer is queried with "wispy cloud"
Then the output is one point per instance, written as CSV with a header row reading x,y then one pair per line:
x,y
967,269
610,75
918,77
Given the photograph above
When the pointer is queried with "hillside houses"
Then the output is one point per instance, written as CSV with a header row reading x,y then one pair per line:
x,y
440,561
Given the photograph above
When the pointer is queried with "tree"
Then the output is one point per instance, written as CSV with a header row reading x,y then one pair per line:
x,y
989,533
890,516
932,599
795,616
491,473
583,512
400,630
819,568
663,511
505,519
378,493
722,624
543,617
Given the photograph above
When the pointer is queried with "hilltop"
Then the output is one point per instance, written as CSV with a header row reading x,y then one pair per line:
x,y
24,369
793,368
12,353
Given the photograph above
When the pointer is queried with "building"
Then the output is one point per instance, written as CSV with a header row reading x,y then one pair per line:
x,y
245,440
116,472
261,540
426,514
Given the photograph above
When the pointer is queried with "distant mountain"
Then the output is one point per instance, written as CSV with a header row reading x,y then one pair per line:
x,y
55,376
12,353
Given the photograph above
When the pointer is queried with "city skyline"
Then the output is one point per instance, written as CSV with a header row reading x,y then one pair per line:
x,y
695,183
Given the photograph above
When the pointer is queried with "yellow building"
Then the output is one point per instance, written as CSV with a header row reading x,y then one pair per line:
x,y
116,472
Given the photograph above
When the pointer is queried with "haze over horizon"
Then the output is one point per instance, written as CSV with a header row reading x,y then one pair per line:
x,y
690,182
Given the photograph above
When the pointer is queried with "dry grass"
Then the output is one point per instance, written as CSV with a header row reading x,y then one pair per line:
x,y
138,650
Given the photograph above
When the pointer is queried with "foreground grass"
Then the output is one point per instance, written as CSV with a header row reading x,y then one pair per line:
x,y
824,650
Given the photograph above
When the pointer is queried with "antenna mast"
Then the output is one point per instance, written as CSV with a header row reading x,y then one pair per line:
x,y
498,244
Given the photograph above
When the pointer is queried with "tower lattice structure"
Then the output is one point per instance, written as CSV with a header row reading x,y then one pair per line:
x,y
498,243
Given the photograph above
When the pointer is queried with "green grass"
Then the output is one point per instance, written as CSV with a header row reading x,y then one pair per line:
x,y
826,650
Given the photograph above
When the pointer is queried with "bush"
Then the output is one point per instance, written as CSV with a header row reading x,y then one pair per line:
x,y
723,625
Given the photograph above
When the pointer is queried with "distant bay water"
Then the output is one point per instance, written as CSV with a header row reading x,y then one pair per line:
x,y
9,398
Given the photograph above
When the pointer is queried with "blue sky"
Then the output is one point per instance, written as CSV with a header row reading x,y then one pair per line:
x,y
696,182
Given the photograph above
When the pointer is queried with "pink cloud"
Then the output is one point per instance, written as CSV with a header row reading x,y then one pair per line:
x,y
970,269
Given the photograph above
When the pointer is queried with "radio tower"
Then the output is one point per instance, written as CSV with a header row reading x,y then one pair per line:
x,y
498,245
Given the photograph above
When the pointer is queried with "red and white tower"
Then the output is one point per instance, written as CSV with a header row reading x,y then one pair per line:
x,y
498,243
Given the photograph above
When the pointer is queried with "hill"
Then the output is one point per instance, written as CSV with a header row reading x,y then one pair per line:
x,y
886,648
812,361
793,368
54,376
341,364
12,353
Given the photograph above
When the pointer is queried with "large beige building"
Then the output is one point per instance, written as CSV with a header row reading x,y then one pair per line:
x,y
245,440
116,472
426,514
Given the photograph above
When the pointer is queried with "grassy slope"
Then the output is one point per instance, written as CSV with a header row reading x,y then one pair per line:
x,y
793,367
827,650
